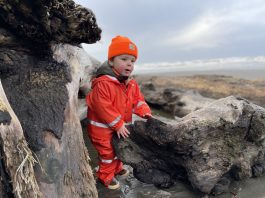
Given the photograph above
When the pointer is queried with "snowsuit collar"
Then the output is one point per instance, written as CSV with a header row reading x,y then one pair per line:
x,y
105,69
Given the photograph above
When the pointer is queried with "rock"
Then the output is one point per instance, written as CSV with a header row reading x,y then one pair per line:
x,y
224,139
222,185
178,102
258,169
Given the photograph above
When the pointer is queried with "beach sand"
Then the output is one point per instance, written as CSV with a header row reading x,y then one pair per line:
x,y
246,84
255,74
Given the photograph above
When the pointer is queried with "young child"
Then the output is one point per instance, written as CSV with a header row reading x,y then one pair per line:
x,y
111,102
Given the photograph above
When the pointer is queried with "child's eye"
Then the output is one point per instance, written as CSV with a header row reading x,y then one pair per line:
x,y
124,59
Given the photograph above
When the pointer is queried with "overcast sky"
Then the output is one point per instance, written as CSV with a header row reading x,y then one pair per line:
x,y
181,30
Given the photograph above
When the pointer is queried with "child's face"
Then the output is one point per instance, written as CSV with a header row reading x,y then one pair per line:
x,y
124,64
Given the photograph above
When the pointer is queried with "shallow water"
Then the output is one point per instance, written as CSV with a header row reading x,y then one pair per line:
x,y
132,188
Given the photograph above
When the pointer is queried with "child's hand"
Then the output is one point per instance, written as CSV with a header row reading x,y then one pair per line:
x,y
123,131
147,116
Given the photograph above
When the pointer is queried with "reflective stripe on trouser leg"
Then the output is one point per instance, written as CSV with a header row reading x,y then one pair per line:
x,y
109,160
107,171
108,168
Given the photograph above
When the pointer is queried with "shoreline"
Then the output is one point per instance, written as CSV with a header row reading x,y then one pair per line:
x,y
213,85
255,74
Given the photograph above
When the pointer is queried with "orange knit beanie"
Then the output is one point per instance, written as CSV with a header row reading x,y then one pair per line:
x,y
122,45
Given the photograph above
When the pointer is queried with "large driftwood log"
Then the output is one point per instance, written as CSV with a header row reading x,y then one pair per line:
x,y
45,98
68,173
42,88
178,102
208,147
17,160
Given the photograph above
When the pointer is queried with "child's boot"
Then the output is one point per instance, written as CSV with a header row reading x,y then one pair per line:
x,y
114,184
123,173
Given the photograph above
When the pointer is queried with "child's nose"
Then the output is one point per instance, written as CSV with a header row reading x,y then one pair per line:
x,y
129,63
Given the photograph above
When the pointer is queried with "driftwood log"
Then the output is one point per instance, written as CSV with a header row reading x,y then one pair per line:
x,y
208,148
175,101
41,76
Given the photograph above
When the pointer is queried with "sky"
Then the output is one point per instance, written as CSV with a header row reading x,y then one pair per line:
x,y
171,31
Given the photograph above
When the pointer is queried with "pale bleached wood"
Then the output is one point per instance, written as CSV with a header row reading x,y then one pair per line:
x,y
17,157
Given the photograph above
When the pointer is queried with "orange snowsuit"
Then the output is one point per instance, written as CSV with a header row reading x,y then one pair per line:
x,y
110,104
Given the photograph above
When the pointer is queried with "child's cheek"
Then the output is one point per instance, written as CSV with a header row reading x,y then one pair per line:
x,y
122,68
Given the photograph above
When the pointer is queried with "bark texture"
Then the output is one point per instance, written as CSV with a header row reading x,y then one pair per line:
x,y
175,101
68,173
208,147
45,97
43,21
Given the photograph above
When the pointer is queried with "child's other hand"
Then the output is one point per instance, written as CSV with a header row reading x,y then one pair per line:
x,y
123,131
147,116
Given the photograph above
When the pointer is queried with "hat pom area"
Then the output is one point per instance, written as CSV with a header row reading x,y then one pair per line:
x,y
122,45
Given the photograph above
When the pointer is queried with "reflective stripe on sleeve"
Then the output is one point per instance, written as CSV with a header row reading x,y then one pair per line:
x,y
115,121
140,103
98,124
109,160
102,125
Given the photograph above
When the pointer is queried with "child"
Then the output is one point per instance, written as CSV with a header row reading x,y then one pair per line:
x,y
113,99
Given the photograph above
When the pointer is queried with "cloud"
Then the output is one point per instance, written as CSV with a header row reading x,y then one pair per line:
x,y
215,27
181,30
203,33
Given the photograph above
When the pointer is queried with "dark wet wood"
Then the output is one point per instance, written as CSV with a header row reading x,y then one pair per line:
x,y
50,20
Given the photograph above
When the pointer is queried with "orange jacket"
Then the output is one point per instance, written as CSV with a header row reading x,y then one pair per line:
x,y
111,103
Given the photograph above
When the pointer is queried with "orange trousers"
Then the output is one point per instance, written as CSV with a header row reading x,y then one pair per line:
x,y
109,165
